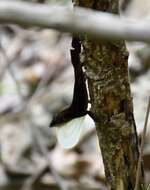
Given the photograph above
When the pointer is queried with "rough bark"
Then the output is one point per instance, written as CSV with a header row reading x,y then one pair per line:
x,y
111,103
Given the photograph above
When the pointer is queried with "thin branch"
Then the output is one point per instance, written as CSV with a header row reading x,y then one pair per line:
x,y
35,133
39,172
94,23
3,70
8,64
37,136
138,173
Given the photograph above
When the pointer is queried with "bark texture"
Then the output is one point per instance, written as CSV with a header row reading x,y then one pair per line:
x,y
111,103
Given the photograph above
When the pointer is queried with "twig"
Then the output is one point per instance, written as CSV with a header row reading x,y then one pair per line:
x,y
34,178
44,151
8,63
138,173
35,134
3,70
48,77
26,105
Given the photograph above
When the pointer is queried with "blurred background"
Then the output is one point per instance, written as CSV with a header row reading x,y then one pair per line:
x,y
36,81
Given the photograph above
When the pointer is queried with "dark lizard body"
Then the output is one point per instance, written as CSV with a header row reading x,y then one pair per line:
x,y
78,107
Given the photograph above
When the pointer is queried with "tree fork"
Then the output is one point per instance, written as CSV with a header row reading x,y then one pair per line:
x,y
106,70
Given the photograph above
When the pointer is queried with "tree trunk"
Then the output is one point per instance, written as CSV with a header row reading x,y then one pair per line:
x,y
106,70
